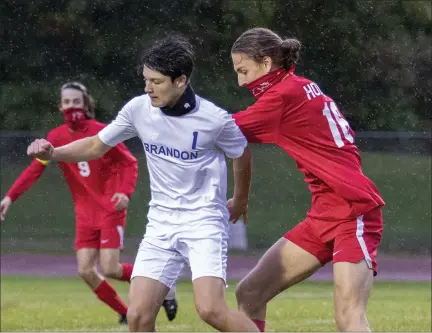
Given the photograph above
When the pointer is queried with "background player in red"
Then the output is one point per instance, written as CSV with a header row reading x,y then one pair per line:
x,y
344,223
101,190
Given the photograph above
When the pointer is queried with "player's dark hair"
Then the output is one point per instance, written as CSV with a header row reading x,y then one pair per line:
x,y
171,56
258,43
89,103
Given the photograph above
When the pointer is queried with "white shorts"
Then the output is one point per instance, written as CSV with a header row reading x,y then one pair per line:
x,y
199,240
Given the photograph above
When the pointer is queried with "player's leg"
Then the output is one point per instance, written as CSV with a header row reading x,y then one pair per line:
x,y
86,248
111,241
87,251
353,283
354,258
155,271
111,266
109,260
211,305
206,251
289,261
145,300
86,261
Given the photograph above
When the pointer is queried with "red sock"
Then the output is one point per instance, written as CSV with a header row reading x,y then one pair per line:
x,y
260,324
107,294
127,272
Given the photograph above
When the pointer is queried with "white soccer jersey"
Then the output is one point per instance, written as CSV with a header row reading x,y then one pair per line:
x,y
185,154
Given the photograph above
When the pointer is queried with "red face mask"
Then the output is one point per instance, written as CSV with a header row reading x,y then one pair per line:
x,y
265,82
74,118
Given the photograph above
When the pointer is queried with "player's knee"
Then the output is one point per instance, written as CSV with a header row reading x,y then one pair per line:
x,y
139,320
212,313
247,297
85,273
350,317
111,271
350,308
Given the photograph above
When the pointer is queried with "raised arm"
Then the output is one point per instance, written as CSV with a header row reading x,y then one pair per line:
x,y
81,150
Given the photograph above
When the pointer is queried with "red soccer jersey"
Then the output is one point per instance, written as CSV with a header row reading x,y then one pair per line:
x,y
295,115
91,183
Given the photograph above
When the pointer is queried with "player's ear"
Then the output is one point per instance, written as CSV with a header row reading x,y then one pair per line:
x,y
267,63
181,81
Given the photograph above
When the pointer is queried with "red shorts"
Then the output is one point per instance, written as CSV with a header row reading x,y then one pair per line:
x,y
100,230
345,241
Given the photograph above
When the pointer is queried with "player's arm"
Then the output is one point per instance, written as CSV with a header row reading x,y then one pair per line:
x,y
260,122
234,144
25,180
81,150
128,168
242,172
88,148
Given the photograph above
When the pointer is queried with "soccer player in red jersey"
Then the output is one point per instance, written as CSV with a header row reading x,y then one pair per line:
x,y
101,190
344,224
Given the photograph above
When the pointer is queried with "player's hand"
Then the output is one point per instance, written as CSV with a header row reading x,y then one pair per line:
x,y
4,207
41,148
238,208
121,201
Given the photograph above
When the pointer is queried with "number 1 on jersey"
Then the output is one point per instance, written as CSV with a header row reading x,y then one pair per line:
x,y
329,109
195,138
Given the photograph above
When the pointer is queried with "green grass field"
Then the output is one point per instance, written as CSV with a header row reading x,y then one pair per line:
x,y
279,200
66,304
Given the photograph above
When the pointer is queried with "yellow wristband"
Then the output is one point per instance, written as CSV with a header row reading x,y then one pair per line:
x,y
42,161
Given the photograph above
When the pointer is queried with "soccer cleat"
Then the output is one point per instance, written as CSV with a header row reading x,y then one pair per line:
x,y
170,306
123,320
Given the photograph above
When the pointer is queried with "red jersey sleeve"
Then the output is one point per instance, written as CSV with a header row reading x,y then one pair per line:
x,y
260,122
26,179
128,166
30,175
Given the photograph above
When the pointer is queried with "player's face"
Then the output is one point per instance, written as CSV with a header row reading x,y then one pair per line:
x,y
247,69
161,89
71,98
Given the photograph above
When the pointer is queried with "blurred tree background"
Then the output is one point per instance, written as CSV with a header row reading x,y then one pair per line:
x,y
372,57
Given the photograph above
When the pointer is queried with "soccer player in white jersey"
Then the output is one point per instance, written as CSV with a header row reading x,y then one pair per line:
x,y
185,139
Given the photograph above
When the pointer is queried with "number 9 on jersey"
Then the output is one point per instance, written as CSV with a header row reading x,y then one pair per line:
x,y
84,169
